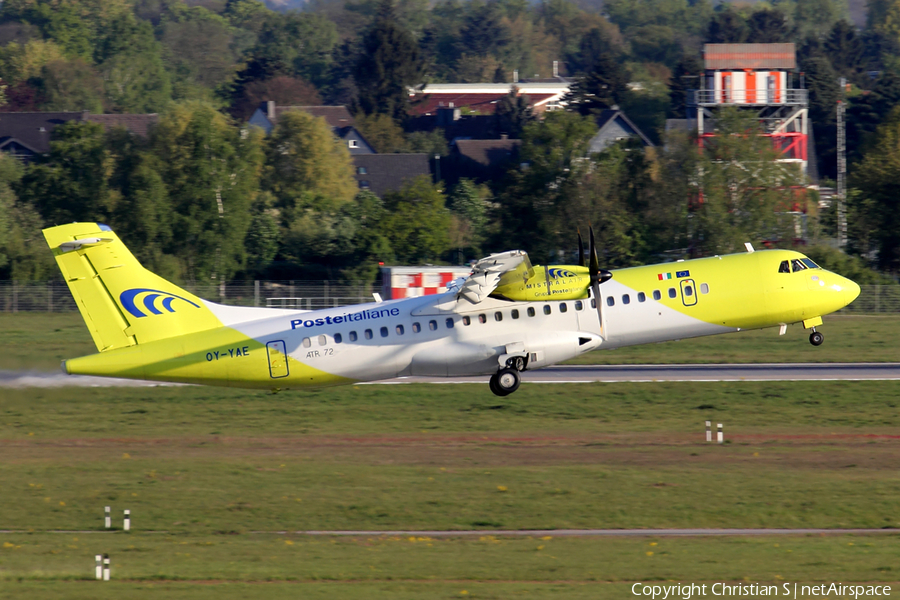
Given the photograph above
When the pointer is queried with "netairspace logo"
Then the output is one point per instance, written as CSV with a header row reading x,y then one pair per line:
x,y
793,590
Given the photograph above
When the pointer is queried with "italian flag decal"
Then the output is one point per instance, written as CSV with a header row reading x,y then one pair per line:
x,y
664,276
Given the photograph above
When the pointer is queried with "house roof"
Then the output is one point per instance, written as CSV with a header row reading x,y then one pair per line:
x,y
609,115
749,56
32,129
336,116
136,124
388,172
483,103
488,152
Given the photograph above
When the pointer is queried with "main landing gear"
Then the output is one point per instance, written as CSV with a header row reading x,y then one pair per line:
x,y
816,338
505,381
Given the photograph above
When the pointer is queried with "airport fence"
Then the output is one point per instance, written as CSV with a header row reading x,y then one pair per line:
x,y
54,296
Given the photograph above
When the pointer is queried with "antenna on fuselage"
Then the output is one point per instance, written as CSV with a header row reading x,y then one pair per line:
x,y
749,247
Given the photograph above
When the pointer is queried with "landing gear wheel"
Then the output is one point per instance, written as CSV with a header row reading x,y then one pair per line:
x,y
816,338
504,382
517,363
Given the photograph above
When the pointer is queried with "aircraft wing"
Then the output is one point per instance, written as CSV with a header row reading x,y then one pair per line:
x,y
488,273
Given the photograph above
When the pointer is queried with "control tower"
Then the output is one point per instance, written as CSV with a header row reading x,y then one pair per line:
x,y
758,78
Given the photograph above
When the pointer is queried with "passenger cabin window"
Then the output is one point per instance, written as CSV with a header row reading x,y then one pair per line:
x,y
353,337
547,310
797,265
498,316
610,301
368,334
432,325
642,297
657,295
467,320
416,328
322,340
579,305
530,311
384,332
514,313
482,318
399,329
563,307
338,338
672,293
626,299
449,322
307,343
784,267
704,288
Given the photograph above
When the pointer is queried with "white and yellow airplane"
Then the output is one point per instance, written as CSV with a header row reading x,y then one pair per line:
x,y
507,317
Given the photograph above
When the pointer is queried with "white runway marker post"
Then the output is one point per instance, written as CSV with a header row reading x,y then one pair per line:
x,y
108,519
709,431
106,567
720,435
127,524
98,568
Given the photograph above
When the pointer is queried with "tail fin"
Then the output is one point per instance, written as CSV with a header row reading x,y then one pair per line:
x,y
122,303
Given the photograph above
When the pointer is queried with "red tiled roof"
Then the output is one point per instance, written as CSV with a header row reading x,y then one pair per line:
x,y
427,104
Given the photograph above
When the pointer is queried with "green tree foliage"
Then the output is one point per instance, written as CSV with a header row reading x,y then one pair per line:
x,y
744,193
382,133
135,78
875,177
603,86
727,27
212,176
513,113
821,81
469,204
769,26
23,256
72,183
71,85
686,77
307,167
846,50
199,53
418,222
389,62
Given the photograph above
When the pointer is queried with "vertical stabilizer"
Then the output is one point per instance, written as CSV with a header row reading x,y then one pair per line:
x,y
122,303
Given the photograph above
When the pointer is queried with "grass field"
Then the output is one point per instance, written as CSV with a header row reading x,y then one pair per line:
x,y
41,340
202,469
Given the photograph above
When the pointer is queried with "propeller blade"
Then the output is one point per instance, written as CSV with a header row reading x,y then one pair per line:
x,y
580,249
592,254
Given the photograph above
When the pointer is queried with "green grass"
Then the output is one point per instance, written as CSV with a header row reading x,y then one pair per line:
x,y
205,468
40,341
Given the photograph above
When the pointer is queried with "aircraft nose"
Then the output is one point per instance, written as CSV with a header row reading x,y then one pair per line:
x,y
851,291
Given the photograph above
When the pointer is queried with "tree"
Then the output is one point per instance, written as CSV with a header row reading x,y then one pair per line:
x,y
727,27
283,90
601,87
469,204
685,78
821,81
383,133
513,113
134,75
212,176
388,64
307,166
846,50
876,179
71,86
199,53
418,224
768,26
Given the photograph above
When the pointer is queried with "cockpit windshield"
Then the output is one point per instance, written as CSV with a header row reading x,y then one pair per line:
x,y
797,264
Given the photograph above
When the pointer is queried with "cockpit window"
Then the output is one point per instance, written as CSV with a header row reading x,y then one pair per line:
x,y
784,267
797,265
809,263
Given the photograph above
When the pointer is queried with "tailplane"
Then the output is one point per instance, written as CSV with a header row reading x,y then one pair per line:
x,y
122,303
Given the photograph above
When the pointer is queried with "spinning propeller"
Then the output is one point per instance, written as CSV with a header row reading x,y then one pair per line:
x,y
597,274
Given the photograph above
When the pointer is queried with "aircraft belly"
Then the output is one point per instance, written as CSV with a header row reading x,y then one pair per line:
x,y
455,358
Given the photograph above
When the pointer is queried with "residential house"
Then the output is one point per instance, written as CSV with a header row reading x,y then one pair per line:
x,y
338,117
481,160
614,126
380,173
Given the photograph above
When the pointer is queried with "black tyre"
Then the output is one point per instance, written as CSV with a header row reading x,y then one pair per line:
x,y
495,388
508,381
816,338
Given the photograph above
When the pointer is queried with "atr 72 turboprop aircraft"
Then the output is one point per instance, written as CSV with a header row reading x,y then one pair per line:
x,y
506,317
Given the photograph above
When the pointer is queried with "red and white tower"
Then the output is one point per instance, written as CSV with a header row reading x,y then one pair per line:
x,y
759,78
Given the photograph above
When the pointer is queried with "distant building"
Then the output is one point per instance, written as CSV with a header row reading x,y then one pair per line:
x,y
338,117
614,126
381,173
26,135
481,160
482,98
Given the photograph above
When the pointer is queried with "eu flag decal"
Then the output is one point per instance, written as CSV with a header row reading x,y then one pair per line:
x,y
664,276
681,274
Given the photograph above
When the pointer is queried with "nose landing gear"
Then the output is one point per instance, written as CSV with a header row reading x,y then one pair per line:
x,y
816,338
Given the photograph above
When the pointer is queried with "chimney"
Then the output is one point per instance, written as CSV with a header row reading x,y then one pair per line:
x,y
270,109
556,68
516,76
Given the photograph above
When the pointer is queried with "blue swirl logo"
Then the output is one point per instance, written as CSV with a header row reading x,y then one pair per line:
x,y
557,273
128,299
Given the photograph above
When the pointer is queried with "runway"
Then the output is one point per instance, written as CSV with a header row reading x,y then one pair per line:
x,y
559,374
